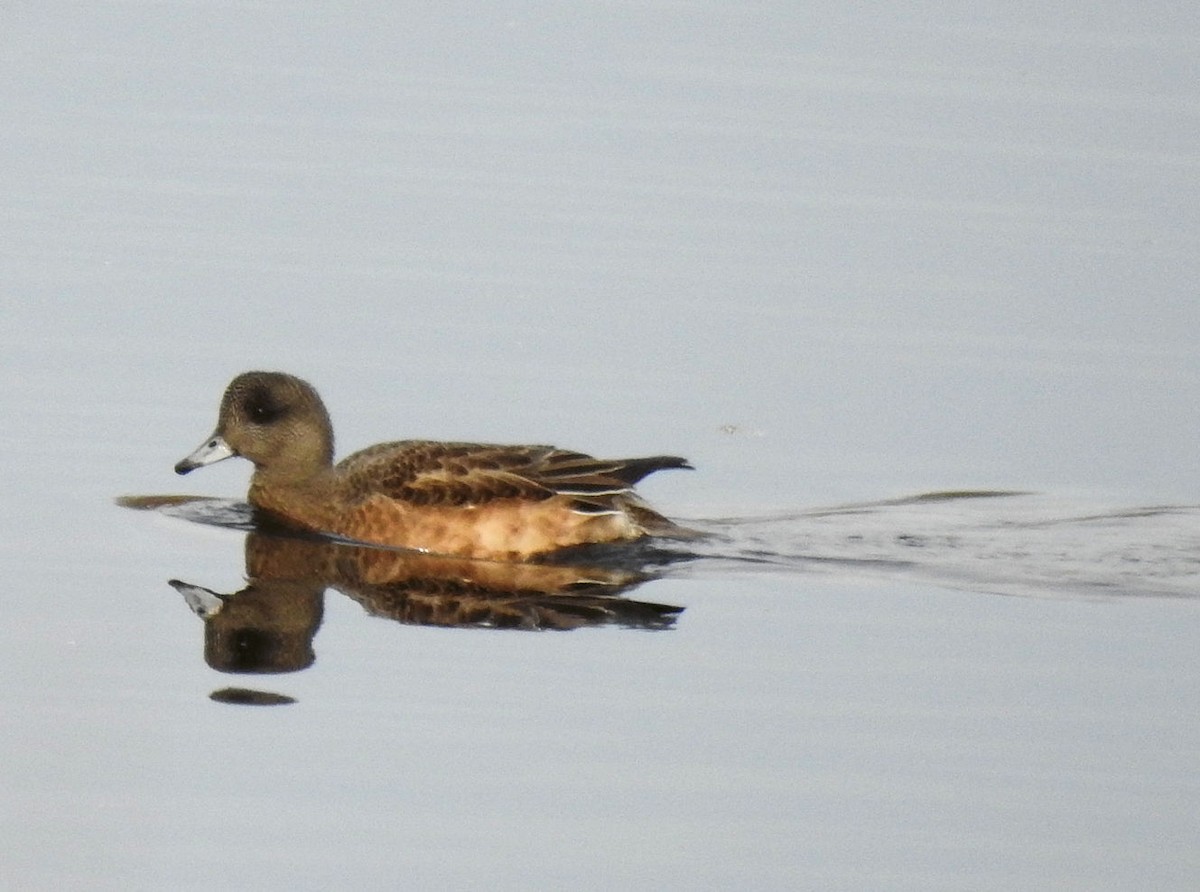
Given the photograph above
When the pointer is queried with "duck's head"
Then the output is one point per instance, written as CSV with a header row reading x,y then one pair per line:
x,y
275,420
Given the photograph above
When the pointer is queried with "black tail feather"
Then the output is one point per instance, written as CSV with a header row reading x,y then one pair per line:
x,y
631,470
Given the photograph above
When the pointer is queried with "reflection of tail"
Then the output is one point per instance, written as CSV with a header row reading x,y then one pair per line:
x,y
466,609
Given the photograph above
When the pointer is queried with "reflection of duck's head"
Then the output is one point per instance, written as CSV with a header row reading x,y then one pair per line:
x,y
276,421
267,627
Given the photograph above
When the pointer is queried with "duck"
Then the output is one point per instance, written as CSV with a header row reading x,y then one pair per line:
x,y
473,500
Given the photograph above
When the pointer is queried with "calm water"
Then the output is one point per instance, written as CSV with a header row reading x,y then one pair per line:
x,y
836,259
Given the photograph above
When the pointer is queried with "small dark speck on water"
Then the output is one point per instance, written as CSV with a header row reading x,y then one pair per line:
x,y
247,697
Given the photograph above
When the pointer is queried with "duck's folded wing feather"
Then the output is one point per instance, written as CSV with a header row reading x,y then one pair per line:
x,y
433,473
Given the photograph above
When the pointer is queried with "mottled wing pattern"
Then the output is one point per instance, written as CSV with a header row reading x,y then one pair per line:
x,y
421,472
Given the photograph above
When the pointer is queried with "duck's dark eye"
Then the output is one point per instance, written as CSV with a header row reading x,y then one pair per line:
x,y
262,406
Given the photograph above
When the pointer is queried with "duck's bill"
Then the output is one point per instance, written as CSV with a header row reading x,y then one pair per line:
x,y
205,603
212,450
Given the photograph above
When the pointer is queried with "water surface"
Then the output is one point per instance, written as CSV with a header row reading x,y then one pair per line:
x,y
837,259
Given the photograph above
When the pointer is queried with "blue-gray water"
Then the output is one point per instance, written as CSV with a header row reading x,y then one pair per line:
x,y
836,258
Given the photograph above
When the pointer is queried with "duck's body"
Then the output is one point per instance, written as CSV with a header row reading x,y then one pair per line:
x,y
469,499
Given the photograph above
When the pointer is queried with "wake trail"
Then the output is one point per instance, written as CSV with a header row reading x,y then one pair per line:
x,y
1010,543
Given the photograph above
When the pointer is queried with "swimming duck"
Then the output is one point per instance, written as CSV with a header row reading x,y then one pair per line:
x,y
469,499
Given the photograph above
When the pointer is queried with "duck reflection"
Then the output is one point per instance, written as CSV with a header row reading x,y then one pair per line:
x,y
269,626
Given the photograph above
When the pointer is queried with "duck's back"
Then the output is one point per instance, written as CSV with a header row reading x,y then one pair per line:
x,y
424,472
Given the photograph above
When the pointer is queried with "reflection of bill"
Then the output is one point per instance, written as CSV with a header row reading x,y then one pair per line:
x,y
269,626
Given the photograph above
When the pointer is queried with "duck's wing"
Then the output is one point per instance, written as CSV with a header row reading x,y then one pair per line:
x,y
422,472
